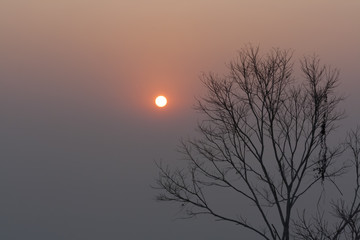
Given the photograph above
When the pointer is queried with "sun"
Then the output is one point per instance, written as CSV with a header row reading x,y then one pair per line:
x,y
160,101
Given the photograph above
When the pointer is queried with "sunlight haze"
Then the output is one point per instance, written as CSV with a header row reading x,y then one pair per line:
x,y
79,131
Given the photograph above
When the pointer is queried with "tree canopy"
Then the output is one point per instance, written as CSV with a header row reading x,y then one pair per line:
x,y
264,140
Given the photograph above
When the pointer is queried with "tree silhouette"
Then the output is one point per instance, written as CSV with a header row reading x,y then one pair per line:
x,y
264,141
346,224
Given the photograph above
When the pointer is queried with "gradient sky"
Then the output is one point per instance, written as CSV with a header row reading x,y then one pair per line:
x,y
79,132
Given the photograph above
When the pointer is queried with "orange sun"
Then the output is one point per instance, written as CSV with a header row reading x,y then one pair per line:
x,y
160,101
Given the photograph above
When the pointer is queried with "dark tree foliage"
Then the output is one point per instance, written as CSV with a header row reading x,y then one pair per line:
x,y
264,140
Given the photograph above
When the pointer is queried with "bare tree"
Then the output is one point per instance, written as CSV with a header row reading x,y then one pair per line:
x,y
345,214
263,140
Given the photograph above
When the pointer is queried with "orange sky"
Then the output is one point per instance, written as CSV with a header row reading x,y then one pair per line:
x,y
143,48
78,80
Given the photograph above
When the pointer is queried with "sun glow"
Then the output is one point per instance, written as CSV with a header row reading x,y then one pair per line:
x,y
160,101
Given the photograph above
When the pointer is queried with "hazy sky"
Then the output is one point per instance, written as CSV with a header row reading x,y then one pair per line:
x,y
79,132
